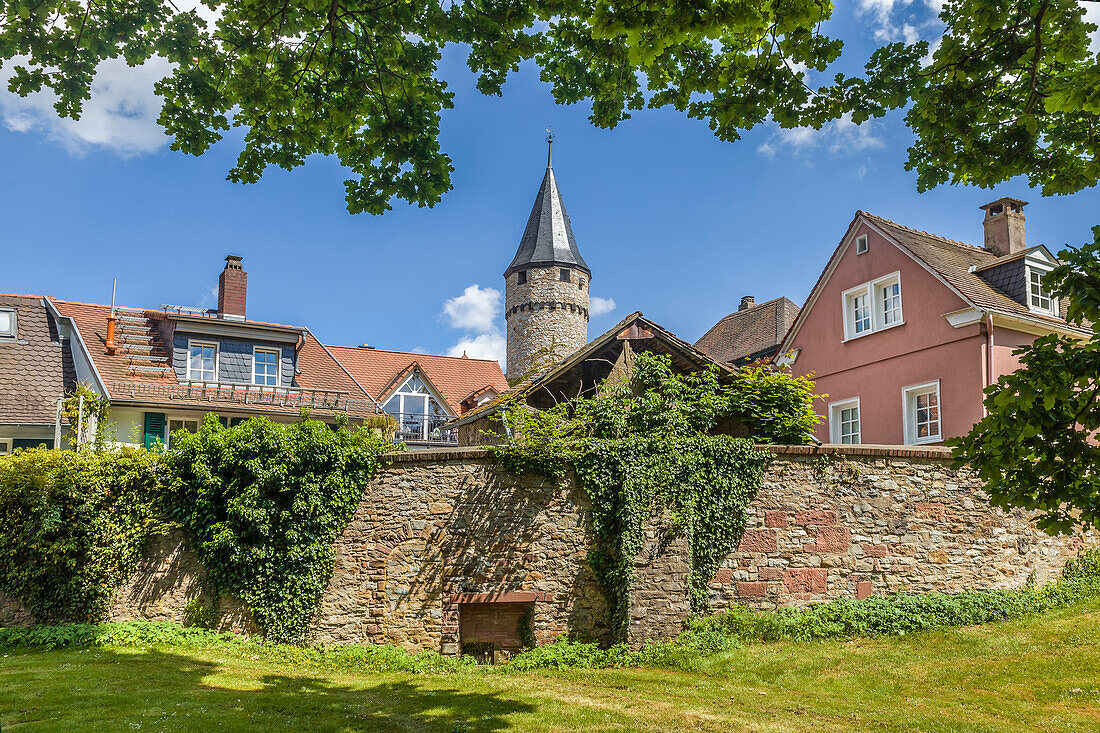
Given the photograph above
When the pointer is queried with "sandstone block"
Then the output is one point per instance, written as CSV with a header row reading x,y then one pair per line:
x,y
809,517
755,589
805,580
759,540
775,519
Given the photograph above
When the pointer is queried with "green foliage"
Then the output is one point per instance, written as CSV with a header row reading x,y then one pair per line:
x,y
1034,448
197,613
72,526
145,634
651,448
265,503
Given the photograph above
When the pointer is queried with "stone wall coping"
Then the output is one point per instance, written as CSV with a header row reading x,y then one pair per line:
x,y
932,452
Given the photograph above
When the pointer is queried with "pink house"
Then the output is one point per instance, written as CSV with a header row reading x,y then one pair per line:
x,y
904,329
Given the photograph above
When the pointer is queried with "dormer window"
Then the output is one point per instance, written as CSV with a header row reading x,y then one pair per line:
x,y
1039,298
7,323
861,244
265,367
872,306
202,361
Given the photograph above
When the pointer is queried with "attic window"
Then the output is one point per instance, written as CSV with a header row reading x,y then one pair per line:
x,y
861,244
7,323
565,275
521,277
1039,298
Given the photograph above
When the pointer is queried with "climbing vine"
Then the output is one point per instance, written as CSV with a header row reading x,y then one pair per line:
x,y
87,413
265,503
655,451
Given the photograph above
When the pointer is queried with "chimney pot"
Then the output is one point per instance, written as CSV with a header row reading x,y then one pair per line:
x,y
1004,226
232,289
747,301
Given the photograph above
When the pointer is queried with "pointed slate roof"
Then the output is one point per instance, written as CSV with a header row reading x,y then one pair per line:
x,y
548,239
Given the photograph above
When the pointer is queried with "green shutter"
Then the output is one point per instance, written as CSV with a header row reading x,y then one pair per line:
x,y
154,429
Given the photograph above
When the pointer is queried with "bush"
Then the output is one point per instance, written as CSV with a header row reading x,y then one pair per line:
x,y
265,503
72,527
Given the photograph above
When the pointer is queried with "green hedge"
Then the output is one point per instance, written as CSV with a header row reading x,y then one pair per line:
x,y
72,526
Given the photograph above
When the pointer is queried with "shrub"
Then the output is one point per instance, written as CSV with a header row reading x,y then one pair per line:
x,y
72,527
265,503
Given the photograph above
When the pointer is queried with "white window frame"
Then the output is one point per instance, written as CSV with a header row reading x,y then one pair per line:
x,y
217,360
835,426
181,418
1055,307
278,366
13,333
909,412
5,446
873,291
862,244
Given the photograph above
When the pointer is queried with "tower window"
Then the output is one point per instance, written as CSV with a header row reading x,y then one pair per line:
x,y
580,284
565,275
521,279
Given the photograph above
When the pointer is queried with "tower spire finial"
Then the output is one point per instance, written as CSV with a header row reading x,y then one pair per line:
x,y
549,144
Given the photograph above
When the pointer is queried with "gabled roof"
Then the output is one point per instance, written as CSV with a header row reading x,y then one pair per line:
x,y
317,369
548,238
454,377
635,327
745,333
954,263
36,369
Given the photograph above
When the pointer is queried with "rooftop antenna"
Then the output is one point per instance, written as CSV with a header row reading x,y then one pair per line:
x,y
549,143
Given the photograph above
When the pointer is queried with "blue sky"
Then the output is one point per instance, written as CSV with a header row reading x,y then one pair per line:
x,y
672,221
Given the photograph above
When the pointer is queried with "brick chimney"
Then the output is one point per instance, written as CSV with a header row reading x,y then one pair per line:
x,y
1004,226
232,289
747,301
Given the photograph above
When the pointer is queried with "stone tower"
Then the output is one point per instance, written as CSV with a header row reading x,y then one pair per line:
x,y
546,286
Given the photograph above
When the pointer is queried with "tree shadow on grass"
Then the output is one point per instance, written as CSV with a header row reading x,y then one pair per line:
x,y
105,690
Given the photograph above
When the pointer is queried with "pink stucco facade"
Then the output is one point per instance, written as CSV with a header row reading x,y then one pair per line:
x,y
924,347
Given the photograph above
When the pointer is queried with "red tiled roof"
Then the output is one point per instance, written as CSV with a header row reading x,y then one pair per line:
x,y
36,368
454,376
749,331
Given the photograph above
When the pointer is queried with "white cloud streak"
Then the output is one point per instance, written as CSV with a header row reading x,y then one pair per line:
x,y
120,117
598,306
477,311
838,137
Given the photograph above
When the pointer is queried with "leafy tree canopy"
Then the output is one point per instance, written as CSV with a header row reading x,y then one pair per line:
x,y
1012,89
1037,447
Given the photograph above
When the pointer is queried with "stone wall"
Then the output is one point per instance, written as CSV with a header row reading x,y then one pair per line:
x,y
440,529
854,521
547,318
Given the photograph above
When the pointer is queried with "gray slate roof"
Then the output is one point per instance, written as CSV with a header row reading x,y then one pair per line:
x,y
36,368
548,239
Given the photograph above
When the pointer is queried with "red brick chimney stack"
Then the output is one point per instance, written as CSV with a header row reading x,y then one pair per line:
x,y
1004,226
232,289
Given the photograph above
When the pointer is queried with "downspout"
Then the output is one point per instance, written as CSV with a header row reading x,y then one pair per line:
x,y
988,357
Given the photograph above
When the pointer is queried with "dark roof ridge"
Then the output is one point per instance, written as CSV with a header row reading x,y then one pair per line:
x,y
247,321
22,295
755,307
943,239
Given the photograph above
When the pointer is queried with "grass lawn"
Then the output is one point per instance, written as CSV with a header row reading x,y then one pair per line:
x,y
1039,674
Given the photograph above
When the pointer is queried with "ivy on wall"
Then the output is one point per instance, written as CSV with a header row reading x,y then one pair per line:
x,y
72,527
652,449
265,502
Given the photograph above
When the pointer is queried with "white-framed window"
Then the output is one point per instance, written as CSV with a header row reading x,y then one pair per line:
x,y
921,413
265,367
190,424
419,414
7,323
202,361
5,446
1039,299
872,306
861,244
844,422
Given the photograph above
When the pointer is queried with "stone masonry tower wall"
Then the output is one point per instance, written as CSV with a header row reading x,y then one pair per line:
x,y
547,316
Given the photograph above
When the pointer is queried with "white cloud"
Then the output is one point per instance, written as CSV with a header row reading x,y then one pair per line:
x,y
881,14
483,346
598,306
121,115
837,137
1092,15
209,297
475,310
